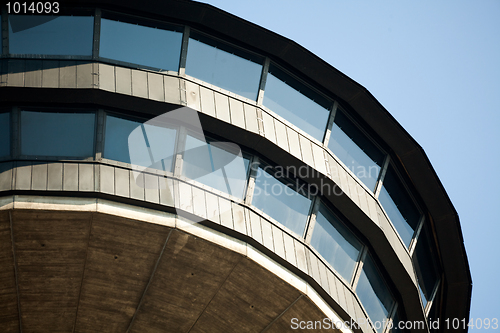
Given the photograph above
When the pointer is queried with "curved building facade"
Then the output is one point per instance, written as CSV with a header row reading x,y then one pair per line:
x,y
169,167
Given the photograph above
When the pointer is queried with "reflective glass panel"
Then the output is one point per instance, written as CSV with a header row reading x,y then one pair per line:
x,y
136,44
423,260
296,103
153,147
51,35
335,243
4,134
355,150
217,164
57,134
278,199
399,206
373,293
223,66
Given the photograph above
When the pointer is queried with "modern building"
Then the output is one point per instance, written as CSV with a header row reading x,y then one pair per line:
x,y
301,203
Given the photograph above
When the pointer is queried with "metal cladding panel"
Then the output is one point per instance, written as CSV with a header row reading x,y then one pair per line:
x,y
251,118
107,179
107,77
15,73
33,75
294,143
199,202
212,207
207,101
313,264
151,188
305,148
281,136
84,75
185,197
342,290
239,219
237,114
70,177
193,95
67,74
332,283
85,177
334,169
300,251
226,216
39,177
155,86
50,74
289,249
353,189
123,80
136,185
269,131
54,177
166,191
6,176
350,299
324,276
172,89
319,158
267,234
255,228
279,246
363,200
344,181
222,107
122,186
139,83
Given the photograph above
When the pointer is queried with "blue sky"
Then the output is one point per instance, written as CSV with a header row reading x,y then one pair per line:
x,y
435,66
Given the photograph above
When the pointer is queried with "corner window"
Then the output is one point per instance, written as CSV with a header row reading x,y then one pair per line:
x,y
296,103
4,134
223,66
374,294
355,150
220,165
51,35
278,197
63,134
399,206
426,268
148,46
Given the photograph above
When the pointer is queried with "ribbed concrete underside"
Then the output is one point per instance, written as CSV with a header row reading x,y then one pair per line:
x,y
92,272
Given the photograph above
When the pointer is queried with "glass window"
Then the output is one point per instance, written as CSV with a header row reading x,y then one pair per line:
x,y
57,134
151,146
395,324
217,164
335,243
277,198
427,274
355,150
296,103
51,35
374,294
132,43
224,66
399,206
4,134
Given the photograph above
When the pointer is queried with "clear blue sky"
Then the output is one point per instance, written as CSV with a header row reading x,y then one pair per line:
x,y
435,66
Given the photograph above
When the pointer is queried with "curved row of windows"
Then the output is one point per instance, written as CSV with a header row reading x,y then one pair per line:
x,y
64,133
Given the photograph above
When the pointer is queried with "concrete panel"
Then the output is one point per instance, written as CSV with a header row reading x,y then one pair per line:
x,y
123,80
289,249
107,179
207,101
107,77
226,216
222,107
269,131
67,74
84,76
166,191
151,191
6,176
185,197
237,114
122,182
50,74
139,83
70,177
23,176
267,234
239,220
255,229
279,246
136,186
319,158
172,89
199,202
251,118
33,75
281,135
15,73
212,207
193,95
305,148
155,86
300,252
85,177
293,142
39,177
